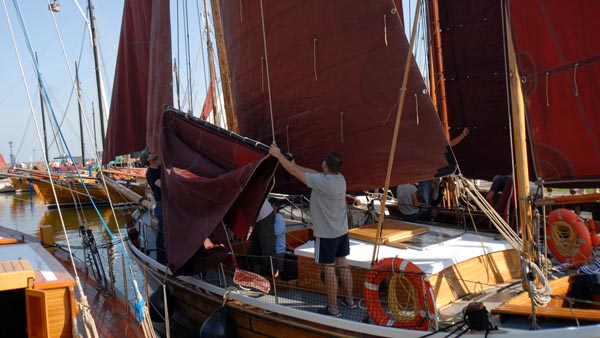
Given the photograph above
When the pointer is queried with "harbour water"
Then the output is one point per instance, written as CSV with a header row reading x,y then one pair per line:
x,y
27,213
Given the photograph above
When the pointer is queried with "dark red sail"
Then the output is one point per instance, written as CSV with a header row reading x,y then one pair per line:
x,y
559,60
335,80
142,83
210,181
476,94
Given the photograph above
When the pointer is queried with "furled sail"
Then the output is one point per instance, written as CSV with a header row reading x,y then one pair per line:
x,y
211,179
335,71
559,61
143,82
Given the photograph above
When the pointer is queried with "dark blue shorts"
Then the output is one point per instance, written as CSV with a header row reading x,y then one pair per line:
x,y
328,249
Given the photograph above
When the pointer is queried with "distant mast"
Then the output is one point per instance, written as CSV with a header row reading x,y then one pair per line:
x,y
211,68
78,89
229,108
43,117
99,84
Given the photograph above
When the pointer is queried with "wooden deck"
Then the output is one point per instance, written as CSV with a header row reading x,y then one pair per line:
x,y
113,315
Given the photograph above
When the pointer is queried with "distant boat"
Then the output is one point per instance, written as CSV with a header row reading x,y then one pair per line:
x,y
6,185
72,193
21,184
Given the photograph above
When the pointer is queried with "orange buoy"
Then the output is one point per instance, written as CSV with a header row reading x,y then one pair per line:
x,y
593,234
568,237
414,308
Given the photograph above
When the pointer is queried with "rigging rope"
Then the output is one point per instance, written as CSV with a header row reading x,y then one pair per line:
x,y
83,302
536,281
262,20
342,126
575,79
547,95
417,108
385,29
262,74
88,320
315,58
537,284
187,54
501,225
409,308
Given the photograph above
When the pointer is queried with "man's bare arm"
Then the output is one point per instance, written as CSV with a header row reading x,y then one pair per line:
x,y
290,166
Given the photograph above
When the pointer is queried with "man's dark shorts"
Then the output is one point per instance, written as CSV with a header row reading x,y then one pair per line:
x,y
328,249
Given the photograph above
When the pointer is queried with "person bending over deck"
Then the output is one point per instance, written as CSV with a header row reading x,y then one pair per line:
x,y
330,223
408,204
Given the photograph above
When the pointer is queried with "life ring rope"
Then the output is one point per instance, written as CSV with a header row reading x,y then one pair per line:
x,y
569,238
416,309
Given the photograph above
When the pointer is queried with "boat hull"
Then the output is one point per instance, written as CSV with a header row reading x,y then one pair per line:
x,y
197,299
74,193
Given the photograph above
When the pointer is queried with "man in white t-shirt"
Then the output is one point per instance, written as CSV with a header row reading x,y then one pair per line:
x,y
262,241
330,223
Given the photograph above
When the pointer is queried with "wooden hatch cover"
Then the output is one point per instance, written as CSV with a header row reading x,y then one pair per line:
x,y
392,231
14,274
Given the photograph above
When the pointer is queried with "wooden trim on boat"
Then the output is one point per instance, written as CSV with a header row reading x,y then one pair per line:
x,y
557,308
574,199
465,278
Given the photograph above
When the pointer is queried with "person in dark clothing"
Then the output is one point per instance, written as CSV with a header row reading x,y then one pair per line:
x,y
498,185
153,174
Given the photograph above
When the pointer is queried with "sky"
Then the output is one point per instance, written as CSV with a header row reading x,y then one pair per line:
x,y
71,33
18,125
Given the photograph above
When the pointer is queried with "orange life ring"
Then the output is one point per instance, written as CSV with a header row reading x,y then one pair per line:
x,y
569,239
416,284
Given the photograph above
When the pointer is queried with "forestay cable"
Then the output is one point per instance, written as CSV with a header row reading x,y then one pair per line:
x,y
88,320
262,17
141,310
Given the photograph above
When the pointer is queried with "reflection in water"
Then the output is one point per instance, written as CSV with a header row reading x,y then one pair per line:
x,y
87,217
26,213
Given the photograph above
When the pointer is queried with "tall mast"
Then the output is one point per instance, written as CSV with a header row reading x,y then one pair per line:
x,y
439,65
176,71
211,68
43,115
98,73
80,115
520,145
224,67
